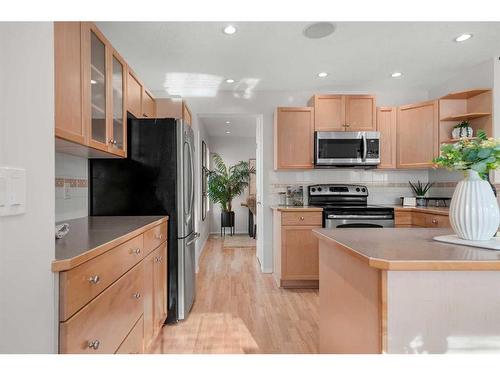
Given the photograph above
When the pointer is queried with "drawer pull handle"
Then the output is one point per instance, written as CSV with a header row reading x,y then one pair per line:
x,y
137,295
136,251
158,259
94,344
94,279
159,236
434,221
302,218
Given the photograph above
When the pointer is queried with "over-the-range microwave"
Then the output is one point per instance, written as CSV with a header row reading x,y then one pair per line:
x,y
346,149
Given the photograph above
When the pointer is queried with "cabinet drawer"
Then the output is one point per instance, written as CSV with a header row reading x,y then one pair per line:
x,y
419,219
81,284
134,343
437,221
106,321
154,237
302,218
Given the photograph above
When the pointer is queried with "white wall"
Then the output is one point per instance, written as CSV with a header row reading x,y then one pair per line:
x,y
28,319
73,171
232,150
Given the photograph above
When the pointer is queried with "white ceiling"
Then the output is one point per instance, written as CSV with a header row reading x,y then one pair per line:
x,y
239,126
194,58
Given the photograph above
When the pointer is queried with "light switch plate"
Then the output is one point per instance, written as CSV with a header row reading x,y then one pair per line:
x,y
12,191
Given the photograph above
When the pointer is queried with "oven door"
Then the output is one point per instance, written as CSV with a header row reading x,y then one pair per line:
x,y
346,149
359,221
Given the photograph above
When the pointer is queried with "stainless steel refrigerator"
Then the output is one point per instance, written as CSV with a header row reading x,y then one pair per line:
x,y
156,178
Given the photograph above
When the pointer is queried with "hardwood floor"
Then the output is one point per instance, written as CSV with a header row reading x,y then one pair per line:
x,y
238,309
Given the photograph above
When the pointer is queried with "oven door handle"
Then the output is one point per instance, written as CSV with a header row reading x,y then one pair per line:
x,y
365,150
361,217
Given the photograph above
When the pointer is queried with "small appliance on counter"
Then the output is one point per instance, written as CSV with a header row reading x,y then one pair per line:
x,y
345,206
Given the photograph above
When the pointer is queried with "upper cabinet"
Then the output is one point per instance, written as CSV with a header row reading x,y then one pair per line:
x,y
386,125
148,104
186,114
417,134
344,112
118,136
293,138
134,94
68,60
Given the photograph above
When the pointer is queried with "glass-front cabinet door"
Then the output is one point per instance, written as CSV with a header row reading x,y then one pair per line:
x,y
118,138
99,134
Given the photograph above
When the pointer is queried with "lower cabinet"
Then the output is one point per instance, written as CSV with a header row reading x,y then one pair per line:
x,y
296,262
418,218
130,311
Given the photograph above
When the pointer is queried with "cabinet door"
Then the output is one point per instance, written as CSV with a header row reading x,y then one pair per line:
x,y
360,113
118,129
69,122
300,253
417,133
386,125
134,95
329,112
160,290
99,99
186,114
149,284
148,105
293,138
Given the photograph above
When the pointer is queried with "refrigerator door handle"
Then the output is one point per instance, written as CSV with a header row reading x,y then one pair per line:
x,y
196,236
191,203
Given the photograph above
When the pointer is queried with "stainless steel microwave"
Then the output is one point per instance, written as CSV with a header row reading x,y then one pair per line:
x,y
346,149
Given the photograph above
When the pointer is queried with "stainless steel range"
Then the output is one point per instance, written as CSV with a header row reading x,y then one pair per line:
x,y
345,206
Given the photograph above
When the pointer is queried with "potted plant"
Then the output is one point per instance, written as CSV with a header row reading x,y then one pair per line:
x,y
420,190
226,183
474,213
461,130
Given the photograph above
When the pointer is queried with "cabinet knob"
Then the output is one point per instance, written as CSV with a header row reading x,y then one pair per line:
x,y
302,218
94,344
94,279
434,221
159,236
136,295
136,251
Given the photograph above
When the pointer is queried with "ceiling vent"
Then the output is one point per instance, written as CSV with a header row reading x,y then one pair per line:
x,y
319,30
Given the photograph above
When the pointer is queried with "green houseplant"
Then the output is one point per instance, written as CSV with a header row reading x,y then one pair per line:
x,y
226,183
420,189
474,213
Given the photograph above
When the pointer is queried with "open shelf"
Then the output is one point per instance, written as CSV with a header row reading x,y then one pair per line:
x,y
456,140
465,94
466,116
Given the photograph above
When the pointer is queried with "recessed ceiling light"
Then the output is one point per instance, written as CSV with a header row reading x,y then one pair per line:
x,y
319,30
228,132
463,37
229,80
322,74
93,81
229,30
228,122
396,74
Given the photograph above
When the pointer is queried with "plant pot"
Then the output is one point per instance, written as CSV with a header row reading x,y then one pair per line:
x,y
474,213
421,202
227,219
457,133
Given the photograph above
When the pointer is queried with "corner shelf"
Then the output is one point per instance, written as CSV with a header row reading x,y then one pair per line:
x,y
465,94
456,140
466,116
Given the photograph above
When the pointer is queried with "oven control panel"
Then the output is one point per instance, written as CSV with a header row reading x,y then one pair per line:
x,y
337,189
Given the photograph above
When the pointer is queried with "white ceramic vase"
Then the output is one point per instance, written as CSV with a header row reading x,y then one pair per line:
x,y
474,213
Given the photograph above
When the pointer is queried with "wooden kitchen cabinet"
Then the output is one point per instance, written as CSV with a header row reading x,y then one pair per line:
x,y
294,138
296,263
344,112
417,134
186,114
148,104
386,125
421,218
134,94
69,124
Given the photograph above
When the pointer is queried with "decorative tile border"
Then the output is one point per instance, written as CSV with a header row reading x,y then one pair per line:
x,y
73,182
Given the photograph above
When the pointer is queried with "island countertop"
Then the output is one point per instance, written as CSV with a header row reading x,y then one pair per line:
x,y
408,249
91,236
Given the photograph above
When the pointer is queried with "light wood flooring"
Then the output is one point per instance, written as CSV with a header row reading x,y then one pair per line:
x,y
238,309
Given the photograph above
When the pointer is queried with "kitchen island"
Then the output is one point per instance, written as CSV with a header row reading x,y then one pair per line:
x,y
398,291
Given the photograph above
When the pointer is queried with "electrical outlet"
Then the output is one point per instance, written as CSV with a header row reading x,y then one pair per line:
x,y
66,187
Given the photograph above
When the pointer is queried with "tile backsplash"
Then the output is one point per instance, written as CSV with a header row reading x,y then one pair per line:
x,y
71,187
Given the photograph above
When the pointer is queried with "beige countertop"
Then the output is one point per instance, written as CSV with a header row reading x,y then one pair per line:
x,y
296,208
91,236
428,209
408,249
